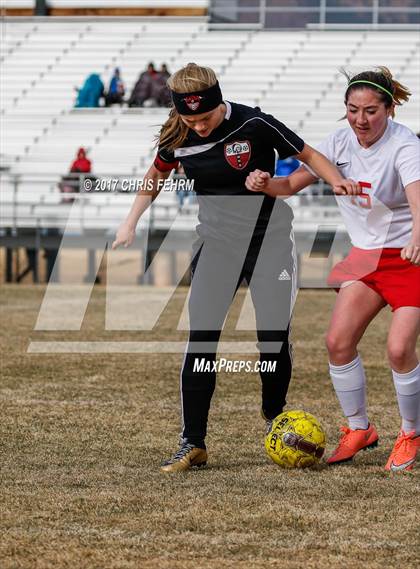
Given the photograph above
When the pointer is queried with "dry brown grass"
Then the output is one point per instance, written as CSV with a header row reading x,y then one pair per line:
x,y
82,437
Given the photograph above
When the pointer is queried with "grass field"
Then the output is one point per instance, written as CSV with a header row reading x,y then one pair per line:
x,y
82,437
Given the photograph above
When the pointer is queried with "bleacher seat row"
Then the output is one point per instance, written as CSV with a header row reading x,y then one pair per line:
x,y
293,75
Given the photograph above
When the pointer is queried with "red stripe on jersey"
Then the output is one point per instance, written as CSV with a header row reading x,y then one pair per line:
x,y
162,166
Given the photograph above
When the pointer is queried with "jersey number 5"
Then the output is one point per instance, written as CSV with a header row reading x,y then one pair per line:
x,y
363,199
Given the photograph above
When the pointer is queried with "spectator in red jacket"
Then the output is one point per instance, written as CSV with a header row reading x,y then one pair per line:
x,y
81,164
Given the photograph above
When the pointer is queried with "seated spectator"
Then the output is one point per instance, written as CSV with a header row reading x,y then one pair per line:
x,y
164,71
81,164
116,91
160,91
143,89
91,92
70,183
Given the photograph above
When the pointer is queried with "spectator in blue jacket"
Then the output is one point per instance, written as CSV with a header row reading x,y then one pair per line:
x,y
91,92
116,90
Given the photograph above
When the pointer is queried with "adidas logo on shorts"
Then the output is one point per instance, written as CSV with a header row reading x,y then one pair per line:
x,y
284,276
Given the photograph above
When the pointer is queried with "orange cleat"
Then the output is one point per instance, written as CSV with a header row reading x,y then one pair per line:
x,y
403,455
351,442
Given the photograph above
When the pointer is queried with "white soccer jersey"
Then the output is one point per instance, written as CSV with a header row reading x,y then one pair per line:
x,y
380,216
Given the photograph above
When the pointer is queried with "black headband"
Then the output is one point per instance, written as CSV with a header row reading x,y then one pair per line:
x,y
197,102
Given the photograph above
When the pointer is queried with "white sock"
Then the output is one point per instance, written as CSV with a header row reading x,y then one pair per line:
x,y
407,386
349,382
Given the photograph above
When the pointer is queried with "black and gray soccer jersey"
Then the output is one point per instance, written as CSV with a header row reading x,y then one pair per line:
x,y
219,164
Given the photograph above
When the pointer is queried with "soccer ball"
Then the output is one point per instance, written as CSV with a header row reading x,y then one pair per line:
x,y
295,440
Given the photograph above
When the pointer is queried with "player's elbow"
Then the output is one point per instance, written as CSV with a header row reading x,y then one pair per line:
x,y
307,155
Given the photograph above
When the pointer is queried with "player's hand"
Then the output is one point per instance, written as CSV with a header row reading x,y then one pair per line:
x,y
257,181
411,253
347,188
125,236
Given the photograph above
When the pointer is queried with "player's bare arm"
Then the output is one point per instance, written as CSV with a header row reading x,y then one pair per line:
x,y
412,251
327,171
127,230
258,181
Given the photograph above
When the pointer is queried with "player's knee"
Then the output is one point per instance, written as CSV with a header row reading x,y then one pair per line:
x,y
339,346
399,353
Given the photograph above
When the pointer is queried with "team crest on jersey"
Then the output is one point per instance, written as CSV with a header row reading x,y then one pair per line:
x,y
193,101
238,153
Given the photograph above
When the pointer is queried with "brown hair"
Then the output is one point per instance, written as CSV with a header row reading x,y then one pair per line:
x,y
190,78
381,76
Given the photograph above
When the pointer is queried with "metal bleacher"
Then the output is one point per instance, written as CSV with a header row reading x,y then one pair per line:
x,y
292,75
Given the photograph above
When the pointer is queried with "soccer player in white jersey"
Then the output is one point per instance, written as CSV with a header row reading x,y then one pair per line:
x,y
383,267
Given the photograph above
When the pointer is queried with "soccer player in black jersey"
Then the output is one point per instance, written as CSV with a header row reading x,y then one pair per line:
x,y
241,236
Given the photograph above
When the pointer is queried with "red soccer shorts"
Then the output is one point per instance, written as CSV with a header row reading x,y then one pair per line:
x,y
397,281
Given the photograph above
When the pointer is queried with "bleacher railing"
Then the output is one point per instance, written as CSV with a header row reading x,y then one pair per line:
x,y
45,219
48,204
322,14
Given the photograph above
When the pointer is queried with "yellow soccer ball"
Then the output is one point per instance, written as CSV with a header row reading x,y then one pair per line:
x,y
295,440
